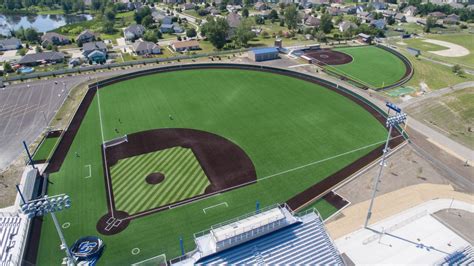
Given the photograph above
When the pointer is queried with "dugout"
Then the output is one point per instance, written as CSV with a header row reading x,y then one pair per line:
x,y
263,54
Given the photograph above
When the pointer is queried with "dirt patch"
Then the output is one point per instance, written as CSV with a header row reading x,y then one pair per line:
x,y
453,50
155,178
329,57
111,225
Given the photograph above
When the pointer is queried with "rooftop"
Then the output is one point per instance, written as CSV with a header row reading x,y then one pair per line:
x,y
265,50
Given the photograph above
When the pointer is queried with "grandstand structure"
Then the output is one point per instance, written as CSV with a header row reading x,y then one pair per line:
x,y
274,235
463,256
14,226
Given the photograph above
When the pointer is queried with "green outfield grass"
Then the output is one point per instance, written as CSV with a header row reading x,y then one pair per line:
x,y
295,132
45,150
371,65
184,178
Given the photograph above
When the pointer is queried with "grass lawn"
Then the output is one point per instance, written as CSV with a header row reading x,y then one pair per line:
x,y
371,65
466,40
451,114
324,208
184,178
435,76
281,123
45,149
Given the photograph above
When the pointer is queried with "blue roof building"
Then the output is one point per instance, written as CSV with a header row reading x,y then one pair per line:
x,y
263,54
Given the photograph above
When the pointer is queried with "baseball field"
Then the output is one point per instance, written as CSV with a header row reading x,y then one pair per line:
x,y
371,66
287,133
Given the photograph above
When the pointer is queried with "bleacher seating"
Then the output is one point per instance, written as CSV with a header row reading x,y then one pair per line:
x,y
304,242
9,227
464,256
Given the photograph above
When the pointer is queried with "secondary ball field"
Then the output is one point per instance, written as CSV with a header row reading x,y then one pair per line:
x,y
295,132
371,66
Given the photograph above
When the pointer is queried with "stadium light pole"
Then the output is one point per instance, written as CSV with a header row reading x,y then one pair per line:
x,y
45,205
392,121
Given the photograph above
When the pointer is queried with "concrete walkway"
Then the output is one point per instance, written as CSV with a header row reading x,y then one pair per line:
x,y
412,236
354,216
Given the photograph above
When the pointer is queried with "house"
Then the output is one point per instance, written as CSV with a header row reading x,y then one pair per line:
x,y
437,15
145,48
359,9
189,6
410,11
400,17
97,56
364,38
10,44
89,47
233,8
335,11
85,36
181,46
365,16
177,28
260,6
167,20
263,54
351,10
41,58
133,32
158,15
167,28
378,24
312,21
53,38
233,19
379,5
451,19
388,13
346,25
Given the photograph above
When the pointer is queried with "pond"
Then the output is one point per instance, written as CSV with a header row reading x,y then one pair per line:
x,y
41,23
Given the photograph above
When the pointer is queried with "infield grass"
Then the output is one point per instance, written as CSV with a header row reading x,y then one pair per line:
x,y
184,178
295,132
372,66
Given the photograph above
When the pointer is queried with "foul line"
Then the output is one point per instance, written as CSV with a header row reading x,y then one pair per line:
x,y
210,207
90,171
103,154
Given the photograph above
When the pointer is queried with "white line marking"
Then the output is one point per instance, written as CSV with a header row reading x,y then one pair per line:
x,y
90,171
103,151
222,203
66,225
300,65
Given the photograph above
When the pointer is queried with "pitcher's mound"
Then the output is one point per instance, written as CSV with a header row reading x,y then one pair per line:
x,y
155,178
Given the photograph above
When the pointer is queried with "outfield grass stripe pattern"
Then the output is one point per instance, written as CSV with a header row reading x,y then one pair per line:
x,y
184,178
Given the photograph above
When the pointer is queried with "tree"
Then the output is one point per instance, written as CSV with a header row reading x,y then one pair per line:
x,y
458,70
339,19
191,32
110,14
150,36
147,21
31,35
108,27
326,23
260,20
141,13
273,14
7,67
216,30
291,17
245,13
244,33
430,23
38,49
